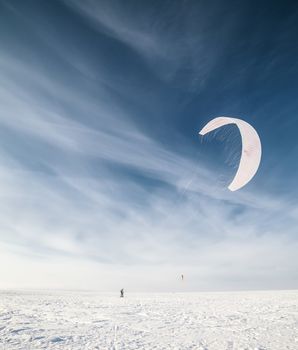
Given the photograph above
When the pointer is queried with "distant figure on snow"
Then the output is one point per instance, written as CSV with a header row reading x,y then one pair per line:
x,y
122,293
182,277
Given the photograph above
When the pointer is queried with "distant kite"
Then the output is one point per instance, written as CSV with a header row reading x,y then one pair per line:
x,y
251,149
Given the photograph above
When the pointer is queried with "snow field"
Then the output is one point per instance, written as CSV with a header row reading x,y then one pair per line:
x,y
180,321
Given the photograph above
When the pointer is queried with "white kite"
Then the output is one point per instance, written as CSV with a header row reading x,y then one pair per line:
x,y
251,149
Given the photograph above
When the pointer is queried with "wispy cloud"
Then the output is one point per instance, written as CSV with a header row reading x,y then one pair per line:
x,y
169,47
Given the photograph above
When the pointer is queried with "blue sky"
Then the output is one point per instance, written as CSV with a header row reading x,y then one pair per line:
x,y
105,182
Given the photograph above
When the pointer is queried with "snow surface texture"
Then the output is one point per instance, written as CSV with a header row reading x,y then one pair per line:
x,y
85,320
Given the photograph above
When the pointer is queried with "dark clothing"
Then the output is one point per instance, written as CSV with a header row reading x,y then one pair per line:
x,y
121,293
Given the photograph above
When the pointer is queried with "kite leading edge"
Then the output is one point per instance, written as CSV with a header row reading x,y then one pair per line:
x,y
251,149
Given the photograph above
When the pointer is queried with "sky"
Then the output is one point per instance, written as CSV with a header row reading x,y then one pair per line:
x,y
104,180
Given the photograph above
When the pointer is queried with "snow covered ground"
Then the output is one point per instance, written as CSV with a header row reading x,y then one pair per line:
x,y
89,320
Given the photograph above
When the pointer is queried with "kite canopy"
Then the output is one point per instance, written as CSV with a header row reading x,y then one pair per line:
x,y
251,149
